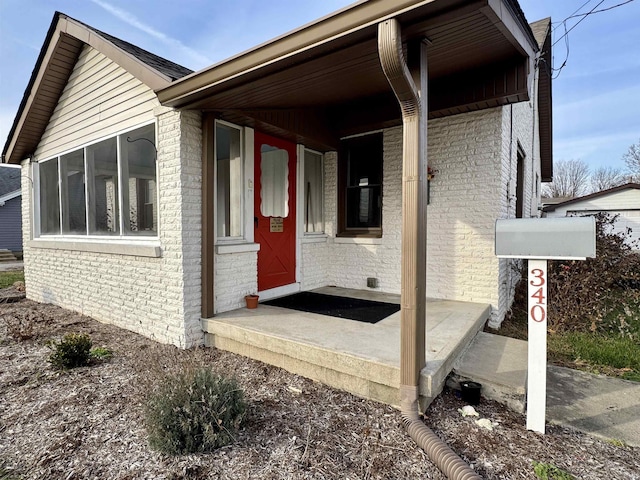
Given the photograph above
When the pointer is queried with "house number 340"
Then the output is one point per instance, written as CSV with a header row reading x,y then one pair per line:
x,y
538,294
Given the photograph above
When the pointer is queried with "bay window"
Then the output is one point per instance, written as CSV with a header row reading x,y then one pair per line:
x,y
107,188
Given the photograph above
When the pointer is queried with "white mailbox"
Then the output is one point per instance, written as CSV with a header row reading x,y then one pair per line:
x,y
538,240
568,238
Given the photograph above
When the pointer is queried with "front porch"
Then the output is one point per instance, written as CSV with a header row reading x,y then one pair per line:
x,y
358,357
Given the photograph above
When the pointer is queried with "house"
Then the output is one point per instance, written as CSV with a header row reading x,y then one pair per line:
x,y
10,213
623,201
159,197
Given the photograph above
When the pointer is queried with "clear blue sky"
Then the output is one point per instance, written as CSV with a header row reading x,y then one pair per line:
x,y
596,95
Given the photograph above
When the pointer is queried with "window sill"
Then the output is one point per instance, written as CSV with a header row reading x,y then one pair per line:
x,y
112,247
317,238
237,248
359,240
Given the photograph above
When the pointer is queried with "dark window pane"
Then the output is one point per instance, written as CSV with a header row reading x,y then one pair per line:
x,y
49,198
365,161
139,196
363,207
74,219
104,207
361,183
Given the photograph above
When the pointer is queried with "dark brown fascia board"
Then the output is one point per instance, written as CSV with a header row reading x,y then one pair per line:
x,y
63,25
502,14
504,17
46,53
335,26
634,186
545,107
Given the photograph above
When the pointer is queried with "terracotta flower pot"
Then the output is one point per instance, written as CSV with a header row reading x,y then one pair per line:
x,y
252,301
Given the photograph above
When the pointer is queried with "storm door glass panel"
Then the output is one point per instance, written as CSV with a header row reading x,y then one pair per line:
x,y
138,164
274,182
49,198
313,193
74,210
102,171
229,181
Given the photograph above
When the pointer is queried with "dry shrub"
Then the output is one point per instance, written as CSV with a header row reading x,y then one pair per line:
x,y
194,411
20,324
586,295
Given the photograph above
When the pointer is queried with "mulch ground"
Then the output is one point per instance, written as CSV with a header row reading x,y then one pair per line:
x,y
87,423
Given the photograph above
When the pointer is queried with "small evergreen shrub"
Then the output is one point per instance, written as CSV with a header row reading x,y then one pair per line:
x,y
72,351
194,411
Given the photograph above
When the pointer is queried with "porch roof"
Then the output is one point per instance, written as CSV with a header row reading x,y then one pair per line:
x,y
323,81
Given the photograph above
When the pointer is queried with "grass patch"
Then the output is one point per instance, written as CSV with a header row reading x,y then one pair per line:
x,y
597,353
9,278
548,471
612,348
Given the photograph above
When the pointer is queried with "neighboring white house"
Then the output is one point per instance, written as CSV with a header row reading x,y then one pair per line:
x,y
623,201
154,197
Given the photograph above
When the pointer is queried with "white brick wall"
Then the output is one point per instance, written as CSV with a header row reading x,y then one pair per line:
x,y
156,297
236,275
475,157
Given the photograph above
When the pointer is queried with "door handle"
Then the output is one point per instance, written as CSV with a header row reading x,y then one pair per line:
x,y
255,221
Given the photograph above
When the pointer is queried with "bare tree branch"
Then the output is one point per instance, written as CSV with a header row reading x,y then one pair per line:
x,y
632,160
570,180
604,178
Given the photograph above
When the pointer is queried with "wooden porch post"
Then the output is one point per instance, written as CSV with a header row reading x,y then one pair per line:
x,y
208,216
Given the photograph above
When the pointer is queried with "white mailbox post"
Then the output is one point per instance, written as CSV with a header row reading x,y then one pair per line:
x,y
538,240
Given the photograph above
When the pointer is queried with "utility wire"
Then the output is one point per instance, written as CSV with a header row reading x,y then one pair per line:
x,y
584,15
571,15
598,11
575,14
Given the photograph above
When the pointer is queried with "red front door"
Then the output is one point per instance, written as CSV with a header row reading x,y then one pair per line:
x,y
275,211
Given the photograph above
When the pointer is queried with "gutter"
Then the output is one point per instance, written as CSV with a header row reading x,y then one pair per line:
x,y
414,245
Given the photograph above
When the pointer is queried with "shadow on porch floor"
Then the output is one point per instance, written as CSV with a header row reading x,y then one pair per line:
x,y
358,357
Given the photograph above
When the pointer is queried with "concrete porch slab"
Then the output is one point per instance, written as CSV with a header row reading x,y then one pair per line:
x,y
358,357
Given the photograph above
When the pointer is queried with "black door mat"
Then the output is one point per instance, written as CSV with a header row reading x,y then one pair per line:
x,y
334,306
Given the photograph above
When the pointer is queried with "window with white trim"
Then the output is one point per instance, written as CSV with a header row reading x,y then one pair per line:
x,y
313,193
107,188
229,181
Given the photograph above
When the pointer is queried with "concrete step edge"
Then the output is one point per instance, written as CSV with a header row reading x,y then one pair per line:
x,y
341,362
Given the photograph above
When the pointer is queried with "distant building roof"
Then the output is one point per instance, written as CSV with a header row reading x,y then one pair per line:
x,y
550,206
9,180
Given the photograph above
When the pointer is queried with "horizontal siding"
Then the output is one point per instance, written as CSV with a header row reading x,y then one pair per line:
x,y
625,204
11,225
100,99
622,200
